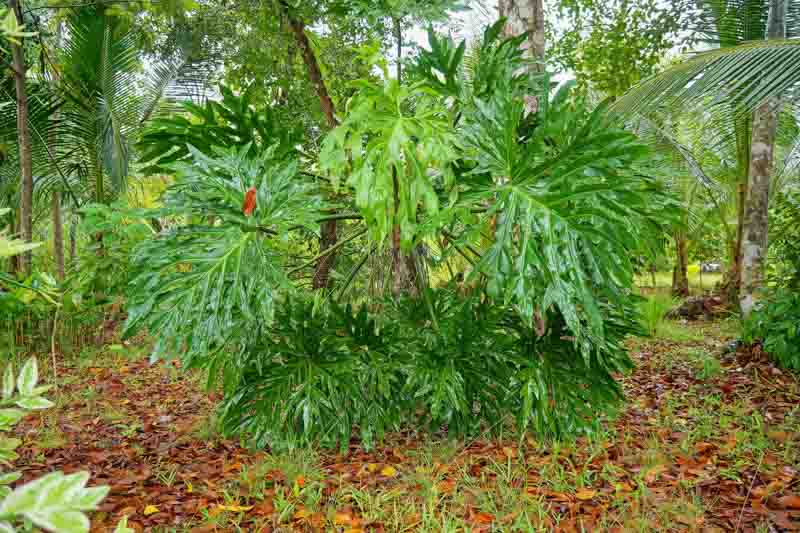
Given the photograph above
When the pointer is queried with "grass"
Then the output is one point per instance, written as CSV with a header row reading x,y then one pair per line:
x,y
705,363
696,284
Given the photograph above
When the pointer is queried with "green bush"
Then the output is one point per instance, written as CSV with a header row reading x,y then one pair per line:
x,y
55,502
104,268
784,240
535,332
321,370
776,324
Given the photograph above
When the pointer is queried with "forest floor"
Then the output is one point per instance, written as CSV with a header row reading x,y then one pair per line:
x,y
706,442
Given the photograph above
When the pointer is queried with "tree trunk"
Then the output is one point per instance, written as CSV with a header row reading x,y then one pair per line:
x,y
404,266
680,275
328,238
58,220
328,233
526,16
73,238
13,229
58,235
398,35
756,207
24,138
732,280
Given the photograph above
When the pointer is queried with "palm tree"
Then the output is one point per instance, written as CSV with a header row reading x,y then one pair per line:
x,y
23,133
756,209
107,100
724,87
86,111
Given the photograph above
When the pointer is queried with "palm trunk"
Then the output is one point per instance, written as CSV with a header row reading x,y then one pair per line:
x,y
73,238
526,16
733,278
756,207
58,235
24,138
58,221
680,274
328,230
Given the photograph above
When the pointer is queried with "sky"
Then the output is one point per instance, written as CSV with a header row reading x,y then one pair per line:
x,y
466,24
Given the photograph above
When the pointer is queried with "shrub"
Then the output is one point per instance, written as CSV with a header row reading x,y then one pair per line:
x,y
105,268
776,324
784,240
534,333
445,361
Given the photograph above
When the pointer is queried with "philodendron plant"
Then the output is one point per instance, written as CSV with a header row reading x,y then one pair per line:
x,y
55,502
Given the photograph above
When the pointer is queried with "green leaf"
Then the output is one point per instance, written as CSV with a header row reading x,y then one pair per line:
x,y
9,478
9,417
6,527
9,443
55,501
60,520
13,247
122,526
89,498
8,382
34,402
53,491
28,377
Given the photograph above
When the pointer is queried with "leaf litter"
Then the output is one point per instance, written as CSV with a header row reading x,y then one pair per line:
x,y
685,454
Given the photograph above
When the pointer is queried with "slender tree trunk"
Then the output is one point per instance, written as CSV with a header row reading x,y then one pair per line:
x,y
526,16
328,229
680,274
73,238
404,271
403,266
58,235
398,35
13,261
24,138
58,220
733,277
756,207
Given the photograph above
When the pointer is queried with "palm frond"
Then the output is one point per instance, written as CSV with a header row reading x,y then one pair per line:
x,y
746,75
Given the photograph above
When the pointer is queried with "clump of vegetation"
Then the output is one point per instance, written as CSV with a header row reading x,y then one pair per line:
x,y
318,372
775,322
297,370
654,309
776,325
